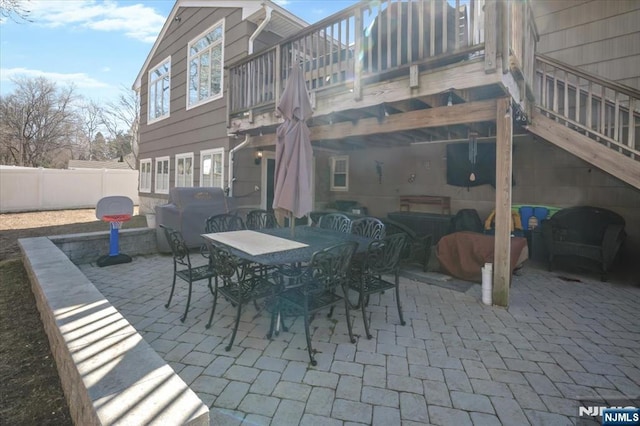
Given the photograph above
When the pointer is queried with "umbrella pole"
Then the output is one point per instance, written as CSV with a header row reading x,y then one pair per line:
x,y
292,224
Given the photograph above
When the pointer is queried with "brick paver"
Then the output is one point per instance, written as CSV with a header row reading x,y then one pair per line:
x,y
455,362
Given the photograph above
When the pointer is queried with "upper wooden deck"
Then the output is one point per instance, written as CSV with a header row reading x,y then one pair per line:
x,y
372,61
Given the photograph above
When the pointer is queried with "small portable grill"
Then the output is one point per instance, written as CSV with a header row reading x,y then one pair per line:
x,y
187,211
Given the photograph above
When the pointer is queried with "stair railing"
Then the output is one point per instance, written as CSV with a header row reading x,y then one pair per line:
x,y
603,110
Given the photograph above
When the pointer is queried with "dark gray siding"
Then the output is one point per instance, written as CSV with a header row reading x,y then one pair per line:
x,y
202,127
599,36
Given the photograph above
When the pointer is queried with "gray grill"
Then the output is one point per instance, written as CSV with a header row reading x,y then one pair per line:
x,y
187,211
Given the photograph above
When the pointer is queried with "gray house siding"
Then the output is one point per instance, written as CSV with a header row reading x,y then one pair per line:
x,y
599,36
205,126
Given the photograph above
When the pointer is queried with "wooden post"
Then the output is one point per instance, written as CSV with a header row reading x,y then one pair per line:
x,y
505,13
502,248
490,36
277,68
357,66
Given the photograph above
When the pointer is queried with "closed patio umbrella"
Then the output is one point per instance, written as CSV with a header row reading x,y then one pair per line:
x,y
294,154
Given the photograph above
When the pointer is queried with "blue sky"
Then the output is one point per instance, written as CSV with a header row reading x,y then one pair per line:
x,y
99,46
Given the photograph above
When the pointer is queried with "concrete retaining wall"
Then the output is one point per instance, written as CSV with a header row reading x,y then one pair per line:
x,y
88,247
109,374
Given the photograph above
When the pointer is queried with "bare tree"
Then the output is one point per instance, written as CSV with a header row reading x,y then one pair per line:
x,y
121,119
15,10
90,116
37,122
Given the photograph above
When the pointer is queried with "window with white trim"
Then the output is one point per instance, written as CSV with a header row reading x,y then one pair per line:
x,y
184,169
340,173
206,66
212,167
145,175
162,175
159,91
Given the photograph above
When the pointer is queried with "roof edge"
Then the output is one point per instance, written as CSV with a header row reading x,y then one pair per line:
x,y
248,8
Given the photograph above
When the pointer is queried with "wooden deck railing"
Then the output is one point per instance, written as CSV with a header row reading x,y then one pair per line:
x,y
522,33
603,110
371,41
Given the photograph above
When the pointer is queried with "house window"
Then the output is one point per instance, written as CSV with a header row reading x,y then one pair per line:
x,y
212,167
340,173
162,175
145,175
206,63
159,91
184,169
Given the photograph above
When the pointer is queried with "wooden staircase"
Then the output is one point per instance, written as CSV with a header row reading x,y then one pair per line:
x,y
592,118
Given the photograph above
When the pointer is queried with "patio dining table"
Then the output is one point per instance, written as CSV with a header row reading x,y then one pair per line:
x,y
276,246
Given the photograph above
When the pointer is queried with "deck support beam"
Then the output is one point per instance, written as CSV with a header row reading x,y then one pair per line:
x,y
504,158
470,112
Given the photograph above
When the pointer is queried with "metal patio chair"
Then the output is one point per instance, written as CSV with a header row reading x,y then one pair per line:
x,y
336,221
382,258
224,222
182,266
369,226
319,286
261,219
236,282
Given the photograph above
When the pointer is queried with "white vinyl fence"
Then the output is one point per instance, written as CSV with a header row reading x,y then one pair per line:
x,y
32,189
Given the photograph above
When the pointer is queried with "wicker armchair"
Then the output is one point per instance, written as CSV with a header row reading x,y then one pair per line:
x,y
588,232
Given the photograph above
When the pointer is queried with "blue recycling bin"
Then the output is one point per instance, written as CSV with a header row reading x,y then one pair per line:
x,y
525,214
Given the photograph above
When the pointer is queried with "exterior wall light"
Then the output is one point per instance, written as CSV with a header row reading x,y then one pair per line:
x,y
258,158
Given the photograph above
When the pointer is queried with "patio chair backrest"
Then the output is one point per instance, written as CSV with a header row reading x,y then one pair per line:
x,y
226,265
330,266
223,223
178,245
370,227
383,256
261,219
336,221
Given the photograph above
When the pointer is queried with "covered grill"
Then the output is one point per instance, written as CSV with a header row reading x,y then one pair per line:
x,y
187,211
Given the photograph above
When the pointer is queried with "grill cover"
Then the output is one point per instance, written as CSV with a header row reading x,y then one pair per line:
x,y
187,211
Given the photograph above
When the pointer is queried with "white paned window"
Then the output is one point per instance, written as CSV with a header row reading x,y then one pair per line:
x,y
145,175
212,167
159,91
184,169
340,173
162,175
205,66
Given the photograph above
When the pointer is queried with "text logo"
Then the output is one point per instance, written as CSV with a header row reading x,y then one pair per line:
x,y
595,411
628,416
